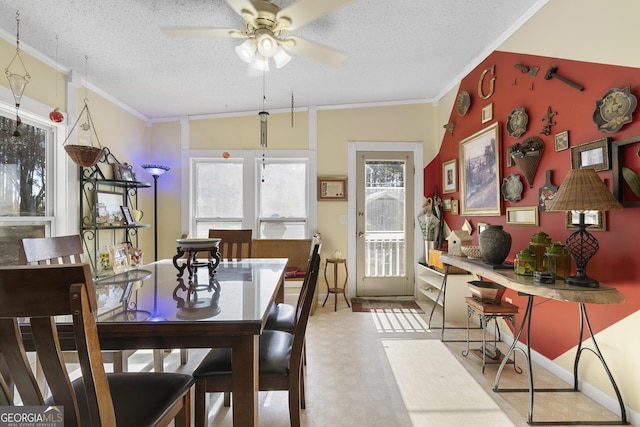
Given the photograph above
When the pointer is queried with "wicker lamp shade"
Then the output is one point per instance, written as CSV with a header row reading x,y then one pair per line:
x,y
583,190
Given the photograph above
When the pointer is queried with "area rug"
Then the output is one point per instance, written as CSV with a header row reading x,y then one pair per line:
x,y
366,305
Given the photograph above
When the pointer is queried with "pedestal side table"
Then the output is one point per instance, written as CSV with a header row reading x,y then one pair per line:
x,y
335,290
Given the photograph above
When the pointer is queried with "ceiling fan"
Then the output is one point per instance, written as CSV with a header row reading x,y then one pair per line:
x,y
265,26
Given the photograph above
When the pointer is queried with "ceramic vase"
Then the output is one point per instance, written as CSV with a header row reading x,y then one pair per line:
x,y
495,244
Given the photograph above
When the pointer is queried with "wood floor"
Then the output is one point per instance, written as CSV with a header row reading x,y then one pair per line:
x,y
368,369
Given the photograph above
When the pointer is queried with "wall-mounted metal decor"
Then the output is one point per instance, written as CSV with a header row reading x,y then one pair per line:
x,y
615,109
517,122
527,155
511,188
463,103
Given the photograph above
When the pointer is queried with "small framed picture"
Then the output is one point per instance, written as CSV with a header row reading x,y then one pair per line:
x,y
332,188
446,204
126,213
487,113
454,207
523,215
482,226
562,140
450,176
594,219
123,172
594,154
119,256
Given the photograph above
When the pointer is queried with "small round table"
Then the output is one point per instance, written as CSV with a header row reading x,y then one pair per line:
x,y
335,290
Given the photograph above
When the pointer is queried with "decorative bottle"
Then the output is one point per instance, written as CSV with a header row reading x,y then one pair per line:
x,y
557,260
538,246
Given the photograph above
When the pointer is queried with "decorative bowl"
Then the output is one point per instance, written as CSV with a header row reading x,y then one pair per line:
x,y
199,243
471,251
487,292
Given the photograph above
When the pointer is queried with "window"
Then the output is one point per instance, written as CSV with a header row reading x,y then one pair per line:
x,y
26,196
282,206
270,196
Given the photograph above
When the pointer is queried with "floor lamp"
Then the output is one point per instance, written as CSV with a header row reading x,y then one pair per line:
x,y
156,171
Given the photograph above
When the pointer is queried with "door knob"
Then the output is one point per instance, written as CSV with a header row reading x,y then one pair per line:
x,y
360,234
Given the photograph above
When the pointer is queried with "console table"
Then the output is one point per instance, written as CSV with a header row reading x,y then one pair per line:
x,y
560,291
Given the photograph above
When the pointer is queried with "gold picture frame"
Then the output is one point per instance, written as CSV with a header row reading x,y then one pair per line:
x,y
487,113
525,215
450,176
332,188
119,257
596,220
480,173
454,207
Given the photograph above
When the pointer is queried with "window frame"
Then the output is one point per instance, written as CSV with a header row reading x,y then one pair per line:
x,y
259,220
58,186
252,162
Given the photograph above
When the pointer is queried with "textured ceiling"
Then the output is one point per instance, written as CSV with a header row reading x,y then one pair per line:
x,y
397,51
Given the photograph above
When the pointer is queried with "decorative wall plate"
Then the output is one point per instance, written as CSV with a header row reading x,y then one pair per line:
x,y
463,103
615,109
517,122
512,188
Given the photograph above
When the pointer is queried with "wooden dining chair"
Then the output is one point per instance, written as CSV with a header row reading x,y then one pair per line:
x,y
235,244
64,250
283,316
33,297
280,362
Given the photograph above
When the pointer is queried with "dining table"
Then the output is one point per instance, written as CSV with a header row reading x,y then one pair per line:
x,y
151,307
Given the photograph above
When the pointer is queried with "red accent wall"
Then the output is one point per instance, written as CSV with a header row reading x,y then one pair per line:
x,y
555,323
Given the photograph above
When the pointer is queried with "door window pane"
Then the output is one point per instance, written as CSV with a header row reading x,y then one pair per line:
x,y
385,250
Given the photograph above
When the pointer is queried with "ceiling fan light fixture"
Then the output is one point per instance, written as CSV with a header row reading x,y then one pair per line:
x,y
281,58
260,63
267,45
246,51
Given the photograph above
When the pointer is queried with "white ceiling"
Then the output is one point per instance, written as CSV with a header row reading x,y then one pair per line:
x,y
398,50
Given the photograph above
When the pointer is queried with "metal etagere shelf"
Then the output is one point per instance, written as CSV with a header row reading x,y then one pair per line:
x,y
101,227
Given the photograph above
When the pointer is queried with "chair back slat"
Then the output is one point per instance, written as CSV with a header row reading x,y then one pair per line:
x,y
51,250
235,244
302,315
17,364
46,291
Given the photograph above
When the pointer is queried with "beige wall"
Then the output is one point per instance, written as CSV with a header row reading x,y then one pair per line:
x,y
42,85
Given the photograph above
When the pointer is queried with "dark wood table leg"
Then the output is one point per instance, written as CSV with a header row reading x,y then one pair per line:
x,y
244,379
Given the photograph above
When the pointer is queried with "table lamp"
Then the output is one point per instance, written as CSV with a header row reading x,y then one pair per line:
x,y
582,190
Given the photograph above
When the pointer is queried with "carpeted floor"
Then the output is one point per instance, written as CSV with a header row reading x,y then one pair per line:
x,y
365,305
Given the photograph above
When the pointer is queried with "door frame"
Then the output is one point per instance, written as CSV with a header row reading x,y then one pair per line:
x,y
418,198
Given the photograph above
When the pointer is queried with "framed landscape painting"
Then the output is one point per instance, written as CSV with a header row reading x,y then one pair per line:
x,y
480,173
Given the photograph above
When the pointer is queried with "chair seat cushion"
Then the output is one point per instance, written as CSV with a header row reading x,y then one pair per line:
x,y
275,353
139,398
281,318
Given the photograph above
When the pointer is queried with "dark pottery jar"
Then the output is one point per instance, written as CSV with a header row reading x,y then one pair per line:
x,y
495,244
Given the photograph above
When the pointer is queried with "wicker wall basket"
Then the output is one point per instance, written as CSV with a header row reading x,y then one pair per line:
x,y
84,155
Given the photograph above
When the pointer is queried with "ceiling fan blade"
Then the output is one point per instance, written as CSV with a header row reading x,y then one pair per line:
x,y
315,51
304,11
243,5
203,32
